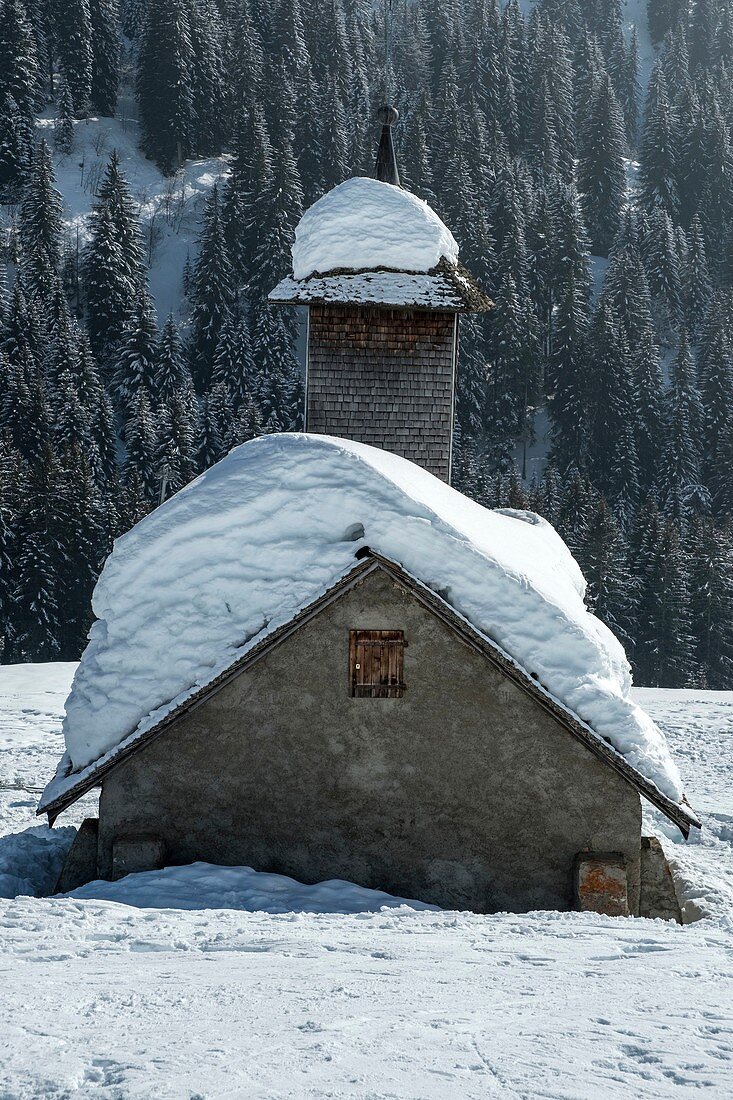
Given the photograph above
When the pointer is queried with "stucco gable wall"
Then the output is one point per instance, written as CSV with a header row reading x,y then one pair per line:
x,y
465,792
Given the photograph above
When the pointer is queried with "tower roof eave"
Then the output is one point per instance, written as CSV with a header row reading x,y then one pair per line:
x,y
446,287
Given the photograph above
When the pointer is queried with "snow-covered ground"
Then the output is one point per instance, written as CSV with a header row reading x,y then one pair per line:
x,y
120,999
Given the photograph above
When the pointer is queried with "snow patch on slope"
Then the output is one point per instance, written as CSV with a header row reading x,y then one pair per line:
x,y
260,535
169,207
364,224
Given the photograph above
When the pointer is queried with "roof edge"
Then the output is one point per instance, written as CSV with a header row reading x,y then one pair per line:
x,y
471,298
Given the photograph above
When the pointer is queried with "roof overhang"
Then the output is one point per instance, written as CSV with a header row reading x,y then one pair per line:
x,y
681,814
446,288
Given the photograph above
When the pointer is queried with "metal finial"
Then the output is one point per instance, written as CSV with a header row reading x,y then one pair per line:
x,y
385,168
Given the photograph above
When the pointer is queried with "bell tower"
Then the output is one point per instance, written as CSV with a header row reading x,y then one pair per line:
x,y
379,273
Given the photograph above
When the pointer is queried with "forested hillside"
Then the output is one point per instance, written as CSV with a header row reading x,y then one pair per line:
x,y
592,198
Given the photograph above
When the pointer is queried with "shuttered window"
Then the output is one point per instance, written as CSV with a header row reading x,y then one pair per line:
x,y
376,664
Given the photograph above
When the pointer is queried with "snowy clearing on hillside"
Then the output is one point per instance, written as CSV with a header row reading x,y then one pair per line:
x,y
111,1000
170,207
251,542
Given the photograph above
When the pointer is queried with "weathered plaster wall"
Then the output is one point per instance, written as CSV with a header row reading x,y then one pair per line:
x,y
383,377
465,792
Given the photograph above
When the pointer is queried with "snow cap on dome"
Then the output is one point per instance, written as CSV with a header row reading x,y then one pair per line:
x,y
365,224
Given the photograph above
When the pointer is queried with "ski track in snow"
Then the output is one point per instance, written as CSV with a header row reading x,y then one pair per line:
x,y
101,999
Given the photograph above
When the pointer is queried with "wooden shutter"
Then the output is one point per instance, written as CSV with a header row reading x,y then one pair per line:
x,y
376,664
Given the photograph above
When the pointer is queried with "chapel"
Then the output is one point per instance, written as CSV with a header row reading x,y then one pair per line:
x,y
319,659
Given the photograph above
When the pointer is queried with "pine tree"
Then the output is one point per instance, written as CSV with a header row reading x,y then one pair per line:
x,y
132,18
278,387
244,62
662,264
165,89
176,446
514,343
679,478
213,292
82,535
658,167
667,643
135,367
18,64
626,289
249,424
105,43
575,506
102,428
711,591
10,464
26,412
568,377
234,362
716,201
63,130
278,214
508,223
664,15
37,597
113,273
703,27
696,282
245,190
629,90
217,426
14,148
646,373
61,352
141,444
172,375
41,220
71,424
621,480
114,195
602,169
208,80
714,368
611,589
610,399
74,45
108,292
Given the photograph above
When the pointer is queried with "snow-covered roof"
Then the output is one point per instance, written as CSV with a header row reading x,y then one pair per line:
x,y
239,552
370,243
365,224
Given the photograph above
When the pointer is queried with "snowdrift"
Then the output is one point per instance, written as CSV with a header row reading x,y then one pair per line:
x,y
364,224
205,886
260,535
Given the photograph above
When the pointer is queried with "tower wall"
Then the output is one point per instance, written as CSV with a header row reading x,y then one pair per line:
x,y
384,377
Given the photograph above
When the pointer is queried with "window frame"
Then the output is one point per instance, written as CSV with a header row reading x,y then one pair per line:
x,y
389,663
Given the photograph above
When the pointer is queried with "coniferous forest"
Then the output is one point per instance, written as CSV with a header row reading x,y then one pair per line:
x,y
591,196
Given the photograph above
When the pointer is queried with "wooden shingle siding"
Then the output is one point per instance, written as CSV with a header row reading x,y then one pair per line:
x,y
384,377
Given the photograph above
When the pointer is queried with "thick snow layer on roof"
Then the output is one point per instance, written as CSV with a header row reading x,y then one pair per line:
x,y
386,288
364,224
264,532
